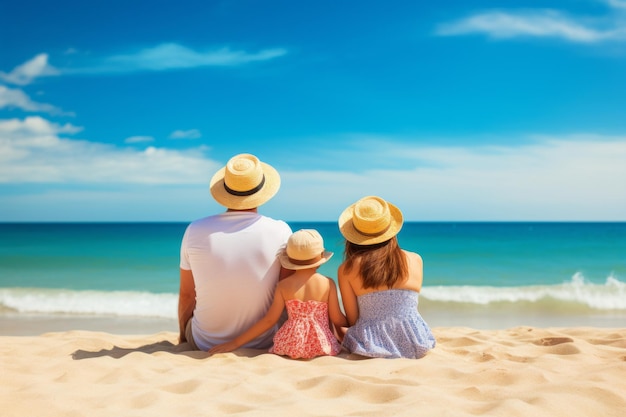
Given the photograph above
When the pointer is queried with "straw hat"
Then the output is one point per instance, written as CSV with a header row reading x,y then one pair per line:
x,y
369,221
305,249
244,183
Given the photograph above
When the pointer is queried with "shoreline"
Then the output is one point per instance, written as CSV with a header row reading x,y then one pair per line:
x,y
38,324
19,324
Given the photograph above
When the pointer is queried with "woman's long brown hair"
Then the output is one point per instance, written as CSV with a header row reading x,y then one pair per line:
x,y
383,264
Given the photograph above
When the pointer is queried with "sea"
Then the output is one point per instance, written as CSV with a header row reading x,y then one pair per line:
x,y
487,275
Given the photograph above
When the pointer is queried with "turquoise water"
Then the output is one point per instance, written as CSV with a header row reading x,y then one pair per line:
x,y
131,269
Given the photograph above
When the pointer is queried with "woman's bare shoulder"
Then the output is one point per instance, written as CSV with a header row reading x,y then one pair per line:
x,y
413,256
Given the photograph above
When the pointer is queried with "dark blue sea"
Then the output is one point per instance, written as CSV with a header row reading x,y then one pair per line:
x,y
486,275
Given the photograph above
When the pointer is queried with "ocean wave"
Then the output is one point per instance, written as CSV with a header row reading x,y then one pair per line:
x,y
608,296
574,294
109,303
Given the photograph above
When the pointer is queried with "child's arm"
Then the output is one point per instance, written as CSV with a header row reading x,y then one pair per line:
x,y
261,326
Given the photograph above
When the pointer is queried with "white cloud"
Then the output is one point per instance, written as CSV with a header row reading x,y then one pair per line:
x,y
30,70
171,56
555,178
16,98
618,4
577,177
33,127
538,23
166,56
139,139
127,202
186,134
33,151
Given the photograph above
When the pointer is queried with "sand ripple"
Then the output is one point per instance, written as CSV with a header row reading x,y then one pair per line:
x,y
522,371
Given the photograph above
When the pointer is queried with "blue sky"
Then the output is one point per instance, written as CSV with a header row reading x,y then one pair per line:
x,y
455,110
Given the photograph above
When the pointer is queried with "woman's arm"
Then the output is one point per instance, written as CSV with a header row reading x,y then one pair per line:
x,y
348,296
334,311
260,327
416,271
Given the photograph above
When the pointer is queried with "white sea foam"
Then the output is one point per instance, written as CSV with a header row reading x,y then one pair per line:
x,y
608,296
577,292
115,303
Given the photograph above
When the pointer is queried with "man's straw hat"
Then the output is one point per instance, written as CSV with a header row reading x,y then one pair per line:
x,y
244,183
305,249
369,221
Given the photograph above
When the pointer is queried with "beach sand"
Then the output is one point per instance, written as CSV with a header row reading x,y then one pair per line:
x,y
520,371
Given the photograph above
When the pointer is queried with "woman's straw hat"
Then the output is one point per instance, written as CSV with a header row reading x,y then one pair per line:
x,y
370,220
244,183
305,249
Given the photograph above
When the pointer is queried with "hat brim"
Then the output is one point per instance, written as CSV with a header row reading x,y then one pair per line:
x,y
269,190
287,264
346,226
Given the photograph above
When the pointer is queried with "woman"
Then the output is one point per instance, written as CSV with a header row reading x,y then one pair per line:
x,y
379,284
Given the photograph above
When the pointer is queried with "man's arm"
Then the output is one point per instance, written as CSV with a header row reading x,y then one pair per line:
x,y
186,301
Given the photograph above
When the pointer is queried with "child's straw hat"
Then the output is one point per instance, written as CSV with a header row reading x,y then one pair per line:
x,y
305,249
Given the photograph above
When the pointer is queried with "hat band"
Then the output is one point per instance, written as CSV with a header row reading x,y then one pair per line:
x,y
306,261
245,193
373,234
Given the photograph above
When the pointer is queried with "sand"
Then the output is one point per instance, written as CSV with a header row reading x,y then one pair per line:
x,y
521,371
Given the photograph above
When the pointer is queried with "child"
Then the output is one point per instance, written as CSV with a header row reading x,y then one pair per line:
x,y
380,283
311,299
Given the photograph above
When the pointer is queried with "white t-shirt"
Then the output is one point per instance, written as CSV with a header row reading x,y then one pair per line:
x,y
233,260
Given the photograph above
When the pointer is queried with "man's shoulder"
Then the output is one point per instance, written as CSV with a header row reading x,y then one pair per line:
x,y
280,226
203,221
272,220
233,221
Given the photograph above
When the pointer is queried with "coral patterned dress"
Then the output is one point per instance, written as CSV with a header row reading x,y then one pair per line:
x,y
306,333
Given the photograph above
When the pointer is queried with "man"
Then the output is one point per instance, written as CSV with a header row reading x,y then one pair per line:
x,y
228,263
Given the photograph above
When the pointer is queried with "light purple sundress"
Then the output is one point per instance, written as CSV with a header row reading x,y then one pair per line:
x,y
389,326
